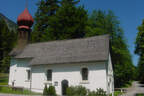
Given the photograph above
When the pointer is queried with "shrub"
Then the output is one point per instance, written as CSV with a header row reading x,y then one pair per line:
x,y
92,93
45,91
82,91
98,92
51,91
76,91
70,91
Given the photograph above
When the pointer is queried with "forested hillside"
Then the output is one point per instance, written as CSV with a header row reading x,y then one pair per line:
x,y
11,25
7,41
65,19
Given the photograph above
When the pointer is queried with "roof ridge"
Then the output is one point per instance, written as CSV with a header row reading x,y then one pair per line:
x,y
105,35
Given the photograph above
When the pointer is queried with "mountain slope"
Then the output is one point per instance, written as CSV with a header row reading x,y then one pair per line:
x,y
11,25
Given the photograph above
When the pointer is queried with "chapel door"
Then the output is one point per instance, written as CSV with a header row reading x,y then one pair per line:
x,y
64,85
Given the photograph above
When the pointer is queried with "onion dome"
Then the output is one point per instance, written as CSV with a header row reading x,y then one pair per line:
x,y
25,20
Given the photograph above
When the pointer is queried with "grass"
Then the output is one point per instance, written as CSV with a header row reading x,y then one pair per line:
x,y
139,94
117,93
3,79
10,91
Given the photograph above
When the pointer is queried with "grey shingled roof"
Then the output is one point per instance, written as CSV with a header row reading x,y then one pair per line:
x,y
68,51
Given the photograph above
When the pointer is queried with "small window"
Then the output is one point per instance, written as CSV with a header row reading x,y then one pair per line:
x,y
28,74
84,73
49,75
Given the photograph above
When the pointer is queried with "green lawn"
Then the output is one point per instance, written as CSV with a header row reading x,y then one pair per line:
x,y
3,79
9,90
117,93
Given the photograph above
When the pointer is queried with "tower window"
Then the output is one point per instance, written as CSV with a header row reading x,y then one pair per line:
x,y
84,73
49,75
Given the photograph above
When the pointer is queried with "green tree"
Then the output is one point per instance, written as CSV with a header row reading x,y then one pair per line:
x,y
69,22
139,49
46,9
100,23
7,42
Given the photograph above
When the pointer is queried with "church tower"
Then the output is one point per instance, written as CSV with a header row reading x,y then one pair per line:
x,y
25,22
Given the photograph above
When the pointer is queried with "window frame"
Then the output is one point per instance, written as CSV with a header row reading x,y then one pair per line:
x,y
28,74
82,74
49,78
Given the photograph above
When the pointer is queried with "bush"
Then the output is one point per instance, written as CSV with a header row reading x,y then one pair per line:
x,y
93,93
82,91
49,91
45,91
76,91
98,92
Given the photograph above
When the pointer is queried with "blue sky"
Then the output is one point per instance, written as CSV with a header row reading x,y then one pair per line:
x,y
129,12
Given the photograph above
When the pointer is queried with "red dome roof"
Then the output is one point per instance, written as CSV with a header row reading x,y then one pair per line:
x,y
25,19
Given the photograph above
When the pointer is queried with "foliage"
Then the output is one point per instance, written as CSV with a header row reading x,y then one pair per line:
x,y
49,91
68,22
76,91
82,91
7,42
46,9
139,49
101,23
98,92
45,91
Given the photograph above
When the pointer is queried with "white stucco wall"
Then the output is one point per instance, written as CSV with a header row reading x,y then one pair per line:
x,y
70,72
110,77
18,73
98,75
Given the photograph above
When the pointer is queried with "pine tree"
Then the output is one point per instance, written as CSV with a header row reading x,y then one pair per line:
x,y
46,9
7,42
139,49
69,22
100,23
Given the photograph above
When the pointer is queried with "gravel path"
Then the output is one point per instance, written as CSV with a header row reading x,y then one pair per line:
x,y
136,88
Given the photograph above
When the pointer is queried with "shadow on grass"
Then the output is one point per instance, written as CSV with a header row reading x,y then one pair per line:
x,y
4,81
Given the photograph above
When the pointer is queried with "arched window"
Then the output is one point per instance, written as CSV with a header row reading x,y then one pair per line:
x,y
49,75
84,72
